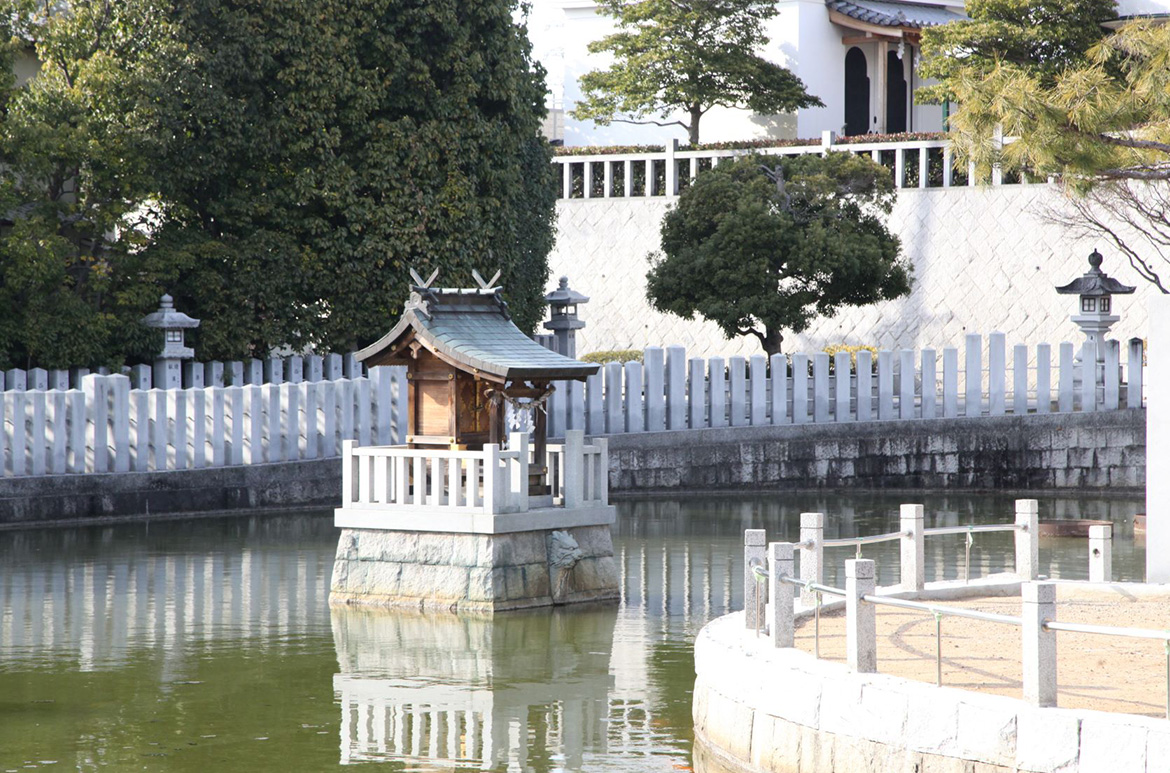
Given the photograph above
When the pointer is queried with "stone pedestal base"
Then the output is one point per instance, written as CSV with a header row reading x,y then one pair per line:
x,y
482,572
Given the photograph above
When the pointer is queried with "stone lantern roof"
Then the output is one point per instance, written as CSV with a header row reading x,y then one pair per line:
x,y
1095,283
563,296
166,316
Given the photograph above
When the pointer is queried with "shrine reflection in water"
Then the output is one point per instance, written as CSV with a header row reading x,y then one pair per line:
x,y
210,644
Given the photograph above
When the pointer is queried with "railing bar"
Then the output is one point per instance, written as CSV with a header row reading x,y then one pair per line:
x,y
971,529
844,541
937,610
1106,630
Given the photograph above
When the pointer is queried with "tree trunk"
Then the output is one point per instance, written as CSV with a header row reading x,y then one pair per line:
x,y
696,112
772,340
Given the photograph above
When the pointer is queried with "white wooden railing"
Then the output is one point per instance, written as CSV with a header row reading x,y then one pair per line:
x,y
494,480
914,163
591,485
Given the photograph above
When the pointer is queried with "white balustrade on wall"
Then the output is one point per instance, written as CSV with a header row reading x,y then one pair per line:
x,y
913,164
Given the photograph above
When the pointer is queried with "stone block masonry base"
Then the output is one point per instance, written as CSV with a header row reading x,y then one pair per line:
x,y
474,572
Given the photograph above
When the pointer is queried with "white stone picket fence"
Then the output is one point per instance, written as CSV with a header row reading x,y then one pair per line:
x,y
274,370
914,163
106,426
666,391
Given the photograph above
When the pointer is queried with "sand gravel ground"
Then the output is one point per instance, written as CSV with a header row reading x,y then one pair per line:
x,y
1097,672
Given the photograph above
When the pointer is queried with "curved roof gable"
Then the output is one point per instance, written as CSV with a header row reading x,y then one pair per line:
x,y
472,329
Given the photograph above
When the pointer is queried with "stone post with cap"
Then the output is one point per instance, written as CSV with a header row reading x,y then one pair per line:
x,y
168,372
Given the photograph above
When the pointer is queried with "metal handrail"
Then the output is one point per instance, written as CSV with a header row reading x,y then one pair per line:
x,y
935,609
1107,630
940,530
873,539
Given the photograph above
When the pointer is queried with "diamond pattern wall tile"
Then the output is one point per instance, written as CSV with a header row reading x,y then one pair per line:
x,y
985,259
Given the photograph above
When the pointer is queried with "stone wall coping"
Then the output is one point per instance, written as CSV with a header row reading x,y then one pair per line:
x,y
906,716
441,519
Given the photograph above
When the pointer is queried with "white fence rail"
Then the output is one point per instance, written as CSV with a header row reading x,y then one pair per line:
x,y
108,427
667,391
914,164
274,370
493,480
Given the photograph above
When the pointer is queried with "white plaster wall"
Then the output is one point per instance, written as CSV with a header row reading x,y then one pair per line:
x,y
801,37
985,259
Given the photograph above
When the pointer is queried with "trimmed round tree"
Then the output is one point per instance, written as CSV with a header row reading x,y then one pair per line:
x,y
768,244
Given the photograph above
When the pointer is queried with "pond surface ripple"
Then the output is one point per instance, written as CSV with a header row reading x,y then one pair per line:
x,y
209,645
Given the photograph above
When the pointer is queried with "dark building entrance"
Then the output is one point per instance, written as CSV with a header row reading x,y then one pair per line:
x,y
895,94
856,93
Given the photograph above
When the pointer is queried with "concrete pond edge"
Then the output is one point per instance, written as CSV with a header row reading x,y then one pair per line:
x,y
758,709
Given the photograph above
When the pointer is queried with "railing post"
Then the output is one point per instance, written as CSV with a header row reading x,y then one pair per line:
x,y
812,553
1038,605
860,617
493,489
1101,553
349,476
574,461
602,480
754,549
1027,541
518,441
780,593
913,548
671,168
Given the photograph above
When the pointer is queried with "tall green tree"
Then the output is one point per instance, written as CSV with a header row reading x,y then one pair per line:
x,y
1042,36
76,171
764,245
323,148
686,56
277,166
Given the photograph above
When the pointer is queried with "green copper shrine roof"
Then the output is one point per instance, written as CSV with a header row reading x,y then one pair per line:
x,y
472,328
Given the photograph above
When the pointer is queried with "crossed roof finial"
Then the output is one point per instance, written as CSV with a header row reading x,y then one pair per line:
x,y
488,285
418,281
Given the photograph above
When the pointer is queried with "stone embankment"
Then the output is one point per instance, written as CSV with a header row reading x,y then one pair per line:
x,y
1068,451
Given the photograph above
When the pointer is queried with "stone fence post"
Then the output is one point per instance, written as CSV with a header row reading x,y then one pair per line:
x,y
913,548
812,554
1038,605
754,548
780,564
860,617
1027,539
1101,553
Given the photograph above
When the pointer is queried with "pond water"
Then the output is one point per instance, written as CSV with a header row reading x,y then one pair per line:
x,y
209,645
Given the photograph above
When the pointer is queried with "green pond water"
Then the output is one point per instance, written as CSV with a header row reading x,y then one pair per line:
x,y
209,645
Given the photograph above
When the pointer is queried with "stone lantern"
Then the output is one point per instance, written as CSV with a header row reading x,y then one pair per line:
x,y
168,372
563,320
1095,291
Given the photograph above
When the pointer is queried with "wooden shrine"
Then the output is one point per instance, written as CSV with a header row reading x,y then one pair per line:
x,y
465,361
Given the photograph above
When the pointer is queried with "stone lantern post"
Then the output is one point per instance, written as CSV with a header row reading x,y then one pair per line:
x,y
1095,290
563,320
168,372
